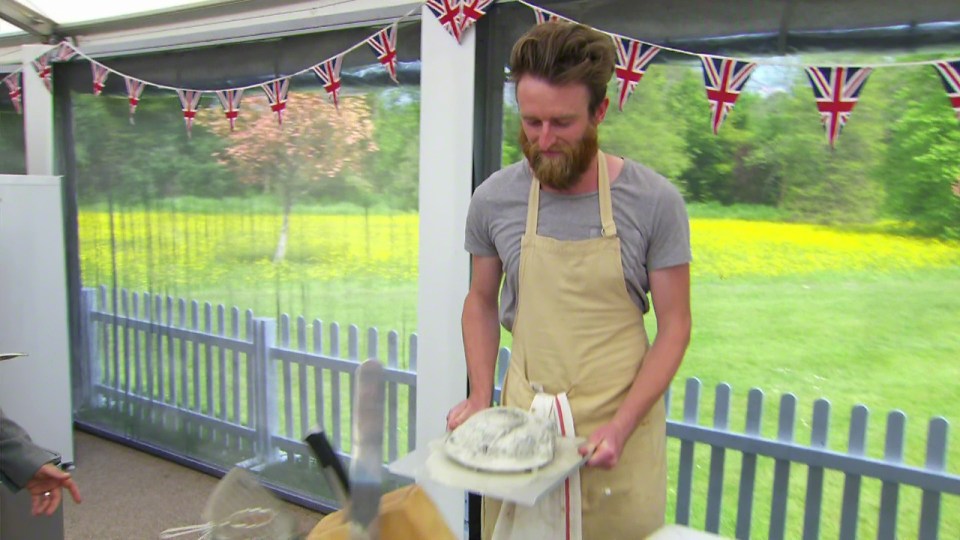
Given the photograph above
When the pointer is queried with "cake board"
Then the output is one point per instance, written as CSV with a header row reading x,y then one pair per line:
x,y
429,463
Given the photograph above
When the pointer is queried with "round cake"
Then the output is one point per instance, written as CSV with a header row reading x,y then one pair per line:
x,y
502,439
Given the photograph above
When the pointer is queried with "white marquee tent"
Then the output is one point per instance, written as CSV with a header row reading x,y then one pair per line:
x,y
450,77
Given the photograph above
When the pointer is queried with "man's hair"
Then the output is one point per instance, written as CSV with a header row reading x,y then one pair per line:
x,y
564,53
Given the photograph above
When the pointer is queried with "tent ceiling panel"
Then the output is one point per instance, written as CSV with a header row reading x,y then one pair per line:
x,y
774,26
222,21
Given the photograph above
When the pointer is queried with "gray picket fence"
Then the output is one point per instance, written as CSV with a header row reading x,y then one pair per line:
x,y
227,376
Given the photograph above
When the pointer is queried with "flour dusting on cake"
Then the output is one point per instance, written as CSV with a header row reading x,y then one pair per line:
x,y
502,439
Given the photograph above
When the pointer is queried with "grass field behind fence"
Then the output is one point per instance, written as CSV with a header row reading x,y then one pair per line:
x,y
854,316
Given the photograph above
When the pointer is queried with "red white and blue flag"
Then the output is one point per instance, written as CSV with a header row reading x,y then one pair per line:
x,y
63,52
837,90
134,90
230,101
632,59
43,68
470,12
100,73
13,90
277,95
950,73
384,45
724,79
189,103
447,13
544,16
329,74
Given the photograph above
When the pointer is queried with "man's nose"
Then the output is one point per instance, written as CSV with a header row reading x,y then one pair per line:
x,y
547,137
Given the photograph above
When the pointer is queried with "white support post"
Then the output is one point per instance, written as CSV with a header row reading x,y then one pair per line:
x,y
446,168
37,114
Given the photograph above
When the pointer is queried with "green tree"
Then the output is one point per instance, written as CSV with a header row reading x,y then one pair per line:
x,y
12,156
648,129
315,144
921,169
814,181
511,131
395,170
722,167
147,156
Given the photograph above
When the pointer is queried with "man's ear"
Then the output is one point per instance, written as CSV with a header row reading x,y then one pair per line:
x,y
601,112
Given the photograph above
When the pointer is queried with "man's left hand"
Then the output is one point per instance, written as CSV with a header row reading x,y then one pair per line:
x,y
45,488
606,445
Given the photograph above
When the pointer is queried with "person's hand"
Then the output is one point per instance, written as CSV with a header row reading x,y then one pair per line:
x,y
604,446
461,411
45,488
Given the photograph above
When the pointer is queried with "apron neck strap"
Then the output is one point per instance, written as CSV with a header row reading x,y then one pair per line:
x,y
606,204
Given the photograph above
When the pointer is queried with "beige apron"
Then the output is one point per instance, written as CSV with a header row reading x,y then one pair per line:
x,y
578,332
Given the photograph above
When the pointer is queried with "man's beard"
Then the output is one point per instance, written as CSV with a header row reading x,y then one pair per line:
x,y
563,171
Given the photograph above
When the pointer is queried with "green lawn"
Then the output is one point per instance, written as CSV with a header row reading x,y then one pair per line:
x,y
887,341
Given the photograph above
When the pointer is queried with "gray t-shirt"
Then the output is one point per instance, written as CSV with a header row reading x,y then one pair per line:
x,y
648,210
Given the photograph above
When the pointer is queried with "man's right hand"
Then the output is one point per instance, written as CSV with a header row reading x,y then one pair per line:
x,y
463,410
45,488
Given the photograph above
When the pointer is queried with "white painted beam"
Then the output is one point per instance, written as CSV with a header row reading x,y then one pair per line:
x,y
446,154
37,114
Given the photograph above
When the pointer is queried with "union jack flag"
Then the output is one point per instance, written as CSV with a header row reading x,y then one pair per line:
x,y
230,101
384,45
277,95
134,89
44,70
950,73
13,87
632,59
836,90
100,73
189,102
447,13
470,13
63,52
724,79
329,74
544,16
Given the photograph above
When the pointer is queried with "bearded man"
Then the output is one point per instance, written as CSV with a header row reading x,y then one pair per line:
x,y
578,239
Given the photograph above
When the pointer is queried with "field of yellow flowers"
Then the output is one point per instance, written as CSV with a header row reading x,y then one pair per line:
x,y
167,250
737,248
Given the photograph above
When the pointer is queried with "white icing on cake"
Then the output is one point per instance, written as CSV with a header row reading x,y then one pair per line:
x,y
502,439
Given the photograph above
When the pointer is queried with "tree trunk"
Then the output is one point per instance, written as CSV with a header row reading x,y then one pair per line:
x,y
281,251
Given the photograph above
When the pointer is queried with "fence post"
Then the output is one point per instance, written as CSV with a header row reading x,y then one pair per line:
x,y
691,412
90,356
412,396
937,462
890,490
265,387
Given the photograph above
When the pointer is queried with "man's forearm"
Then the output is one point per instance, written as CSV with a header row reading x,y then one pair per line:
x,y
653,378
481,343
